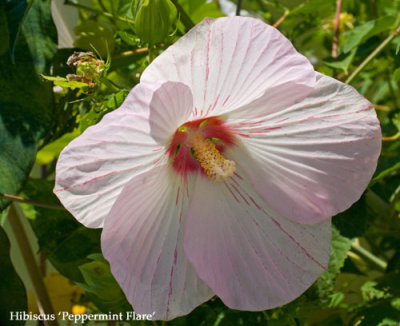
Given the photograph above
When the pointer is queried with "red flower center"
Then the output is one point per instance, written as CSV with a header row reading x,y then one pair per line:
x,y
198,144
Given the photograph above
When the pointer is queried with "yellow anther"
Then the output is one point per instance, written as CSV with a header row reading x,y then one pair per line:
x,y
214,164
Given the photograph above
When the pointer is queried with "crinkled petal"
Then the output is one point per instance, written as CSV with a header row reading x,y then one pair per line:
x,y
143,241
94,167
251,257
314,159
232,61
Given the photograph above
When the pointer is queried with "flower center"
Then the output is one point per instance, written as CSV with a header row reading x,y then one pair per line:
x,y
217,167
197,146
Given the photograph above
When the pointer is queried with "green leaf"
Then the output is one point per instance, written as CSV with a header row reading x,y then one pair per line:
x,y
386,167
11,16
367,30
370,292
326,282
12,290
102,287
342,62
25,102
4,35
41,35
376,315
51,151
388,322
66,242
317,8
65,83
206,10
396,75
94,35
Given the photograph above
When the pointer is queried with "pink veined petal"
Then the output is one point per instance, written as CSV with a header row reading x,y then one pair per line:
x,y
92,170
252,258
314,159
143,241
232,61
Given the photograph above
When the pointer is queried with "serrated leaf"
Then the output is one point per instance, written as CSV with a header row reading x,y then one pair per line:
x,y
339,247
25,102
365,31
12,290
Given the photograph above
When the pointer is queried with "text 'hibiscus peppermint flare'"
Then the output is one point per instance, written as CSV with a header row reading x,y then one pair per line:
x,y
220,172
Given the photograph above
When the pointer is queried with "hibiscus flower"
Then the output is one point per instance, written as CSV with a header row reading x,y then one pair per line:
x,y
220,172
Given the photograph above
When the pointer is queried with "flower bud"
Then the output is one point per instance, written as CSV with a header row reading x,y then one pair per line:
x,y
153,19
88,67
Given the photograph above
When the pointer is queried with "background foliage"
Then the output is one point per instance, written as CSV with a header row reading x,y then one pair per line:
x,y
362,285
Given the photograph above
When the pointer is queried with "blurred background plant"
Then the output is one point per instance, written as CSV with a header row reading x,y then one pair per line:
x,y
45,103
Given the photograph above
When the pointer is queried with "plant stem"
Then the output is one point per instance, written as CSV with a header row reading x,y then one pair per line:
x,y
369,257
238,7
336,33
288,12
31,202
280,20
39,288
103,7
103,13
373,54
391,138
184,17
382,107
113,88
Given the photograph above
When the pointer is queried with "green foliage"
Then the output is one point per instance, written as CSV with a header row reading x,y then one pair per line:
x,y
153,19
25,102
95,35
11,15
12,290
66,243
101,285
353,222
367,30
354,290
65,83
325,285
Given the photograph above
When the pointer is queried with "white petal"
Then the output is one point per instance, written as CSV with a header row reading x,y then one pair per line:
x,y
94,167
252,258
232,61
143,241
314,159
